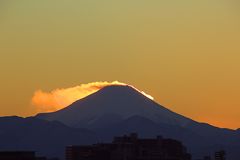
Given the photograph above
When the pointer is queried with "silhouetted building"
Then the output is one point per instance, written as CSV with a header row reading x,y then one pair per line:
x,y
220,155
19,155
130,148
207,158
41,158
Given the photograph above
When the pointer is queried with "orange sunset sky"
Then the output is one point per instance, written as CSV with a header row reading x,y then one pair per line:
x,y
186,54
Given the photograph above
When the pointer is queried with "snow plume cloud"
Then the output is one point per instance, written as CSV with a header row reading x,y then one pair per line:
x,y
60,98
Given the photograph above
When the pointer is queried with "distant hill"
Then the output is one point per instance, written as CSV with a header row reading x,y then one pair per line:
x,y
47,138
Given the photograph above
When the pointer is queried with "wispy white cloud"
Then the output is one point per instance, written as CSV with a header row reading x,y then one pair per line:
x,y
60,98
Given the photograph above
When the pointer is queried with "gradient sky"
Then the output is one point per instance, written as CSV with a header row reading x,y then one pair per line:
x,y
186,53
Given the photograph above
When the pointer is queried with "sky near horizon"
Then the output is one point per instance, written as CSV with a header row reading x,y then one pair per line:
x,y
185,53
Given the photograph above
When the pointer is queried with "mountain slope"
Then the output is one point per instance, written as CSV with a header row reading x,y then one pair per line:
x,y
113,104
116,110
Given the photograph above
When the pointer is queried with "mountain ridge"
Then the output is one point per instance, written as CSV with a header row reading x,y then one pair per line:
x,y
46,138
114,111
124,101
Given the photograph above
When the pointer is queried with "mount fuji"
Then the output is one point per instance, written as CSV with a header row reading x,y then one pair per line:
x,y
114,104
112,111
116,110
